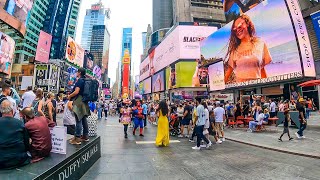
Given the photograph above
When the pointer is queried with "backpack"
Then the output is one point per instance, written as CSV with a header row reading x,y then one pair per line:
x,y
90,91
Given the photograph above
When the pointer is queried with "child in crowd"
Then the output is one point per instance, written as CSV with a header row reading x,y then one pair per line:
x,y
287,119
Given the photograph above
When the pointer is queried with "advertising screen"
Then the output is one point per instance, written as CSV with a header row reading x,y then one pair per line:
x,y
88,61
189,74
158,82
257,49
74,53
141,87
71,78
182,43
43,48
16,13
216,76
316,24
7,46
147,86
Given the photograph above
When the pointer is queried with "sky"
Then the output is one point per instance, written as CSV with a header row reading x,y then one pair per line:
x,y
124,13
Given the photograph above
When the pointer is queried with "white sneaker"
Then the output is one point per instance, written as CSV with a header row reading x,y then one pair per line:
x,y
196,148
209,145
298,136
187,136
249,130
219,141
191,140
303,137
180,136
223,139
203,146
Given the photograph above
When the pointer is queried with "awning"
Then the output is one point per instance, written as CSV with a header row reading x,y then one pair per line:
x,y
310,83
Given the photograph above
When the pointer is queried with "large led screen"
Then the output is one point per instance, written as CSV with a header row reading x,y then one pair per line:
x,y
158,82
16,13
147,86
43,48
216,76
258,47
188,74
74,52
7,46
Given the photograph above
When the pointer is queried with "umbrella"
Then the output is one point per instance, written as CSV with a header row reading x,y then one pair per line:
x,y
310,83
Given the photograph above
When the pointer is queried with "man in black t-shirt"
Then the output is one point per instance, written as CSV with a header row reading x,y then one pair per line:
x,y
186,119
302,116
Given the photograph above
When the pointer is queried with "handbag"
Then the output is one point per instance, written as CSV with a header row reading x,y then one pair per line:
x,y
92,124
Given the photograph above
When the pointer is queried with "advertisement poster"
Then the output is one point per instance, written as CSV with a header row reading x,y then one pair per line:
x,y
88,60
19,12
216,77
158,82
147,86
72,77
53,81
141,87
7,46
97,72
74,53
126,75
41,75
190,74
43,48
316,24
256,49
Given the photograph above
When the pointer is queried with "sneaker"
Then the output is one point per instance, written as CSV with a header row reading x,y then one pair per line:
x,y
75,141
180,136
141,135
203,146
290,139
219,141
72,139
85,138
187,136
223,139
209,145
298,136
303,137
280,140
126,136
249,130
196,148
191,140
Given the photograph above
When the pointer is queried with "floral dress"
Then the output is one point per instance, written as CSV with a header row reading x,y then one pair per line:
x,y
125,118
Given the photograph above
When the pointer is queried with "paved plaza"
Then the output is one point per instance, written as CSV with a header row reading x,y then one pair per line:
x,y
138,158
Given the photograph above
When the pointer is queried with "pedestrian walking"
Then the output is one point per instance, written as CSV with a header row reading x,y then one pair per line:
x,y
125,117
106,107
287,119
302,116
163,137
138,118
219,114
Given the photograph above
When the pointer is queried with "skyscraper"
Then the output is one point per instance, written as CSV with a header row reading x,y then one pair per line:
x,y
162,14
73,21
126,50
26,47
100,43
56,24
97,15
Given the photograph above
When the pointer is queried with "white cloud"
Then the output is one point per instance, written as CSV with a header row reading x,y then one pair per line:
x,y
124,13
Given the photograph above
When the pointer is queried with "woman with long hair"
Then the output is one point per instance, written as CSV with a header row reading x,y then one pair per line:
x,y
37,103
48,107
247,54
125,117
163,125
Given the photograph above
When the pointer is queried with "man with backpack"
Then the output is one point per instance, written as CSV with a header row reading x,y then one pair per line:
x,y
80,108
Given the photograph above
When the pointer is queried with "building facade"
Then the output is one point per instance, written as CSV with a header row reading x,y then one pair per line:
x,y
100,44
97,15
26,47
73,21
162,16
56,23
126,45
199,11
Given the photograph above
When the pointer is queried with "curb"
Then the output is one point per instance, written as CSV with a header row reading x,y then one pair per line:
x,y
275,149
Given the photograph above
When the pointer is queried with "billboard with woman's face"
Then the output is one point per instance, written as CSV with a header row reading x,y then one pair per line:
x,y
16,13
260,46
158,82
7,46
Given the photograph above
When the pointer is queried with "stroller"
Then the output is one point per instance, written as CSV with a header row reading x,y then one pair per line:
x,y
174,125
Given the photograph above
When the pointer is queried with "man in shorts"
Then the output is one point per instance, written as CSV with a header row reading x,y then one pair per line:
x,y
187,117
219,115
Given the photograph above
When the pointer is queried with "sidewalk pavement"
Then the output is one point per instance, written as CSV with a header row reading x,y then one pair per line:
x,y
310,146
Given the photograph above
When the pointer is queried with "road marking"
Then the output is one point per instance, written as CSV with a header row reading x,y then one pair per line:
x,y
113,125
153,142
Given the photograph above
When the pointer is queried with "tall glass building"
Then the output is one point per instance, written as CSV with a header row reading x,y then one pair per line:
x,y
26,47
73,21
162,16
97,15
56,24
126,45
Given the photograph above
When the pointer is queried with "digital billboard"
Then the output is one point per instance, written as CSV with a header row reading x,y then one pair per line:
x,y
147,86
216,76
158,82
88,61
189,74
257,49
43,48
74,53
7,46
182,43
16,13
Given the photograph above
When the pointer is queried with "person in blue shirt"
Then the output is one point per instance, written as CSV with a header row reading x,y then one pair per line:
x,y
145,112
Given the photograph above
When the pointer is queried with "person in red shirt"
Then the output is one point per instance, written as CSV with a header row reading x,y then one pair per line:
x,y
38,129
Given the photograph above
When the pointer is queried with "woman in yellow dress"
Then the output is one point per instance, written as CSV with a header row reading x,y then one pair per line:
x,y
163,125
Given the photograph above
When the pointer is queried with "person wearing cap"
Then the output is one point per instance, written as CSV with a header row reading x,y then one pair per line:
x,y
302,116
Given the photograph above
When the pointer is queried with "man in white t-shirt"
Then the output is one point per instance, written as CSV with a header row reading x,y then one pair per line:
x,y
28,97
219,114
273,108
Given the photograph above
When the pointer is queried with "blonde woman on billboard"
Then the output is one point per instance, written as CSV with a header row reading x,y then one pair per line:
x,y
247,54
200,77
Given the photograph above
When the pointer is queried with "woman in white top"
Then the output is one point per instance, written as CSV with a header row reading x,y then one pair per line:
x,y
207,123
69,120
180,111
